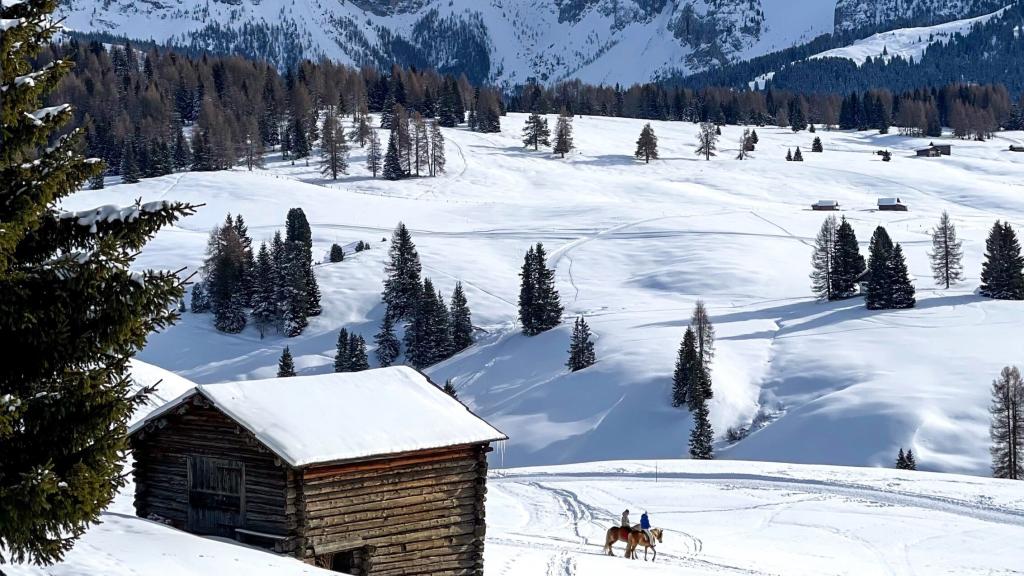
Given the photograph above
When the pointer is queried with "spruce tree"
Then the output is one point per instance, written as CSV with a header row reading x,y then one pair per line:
x,y
563,135
823,260
527,293
683,376
879,287
789,155
461,321
536,132
1002,273
647,145
581,348
902,287
264,302
374,156
701,436
547,306
798,156
901,461
199,301
402,284
816,146
911,462
343,352
753,137
225,278
392,169
426,337
357,361
72,313
449,389
388,346
285,365
130,173
337,254
947,253
1007,428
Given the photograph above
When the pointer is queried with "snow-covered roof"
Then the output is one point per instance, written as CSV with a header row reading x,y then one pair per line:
x,y
826,203
889,201
345,416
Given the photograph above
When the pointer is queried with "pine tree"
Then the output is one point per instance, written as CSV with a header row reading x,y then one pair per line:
x,y
536,132
647,145
437,159
581,348
461,321
333,146
343,352
902,287
879,289
798,156
337,254
402,284
373,153
901,461
847,262
816,146
823,261
947,253
701,436
911,462
388,346
1002,273
199,301
563,135
686,363
72,314
1007,429
357,361
449,389
707,140
286,365
392,161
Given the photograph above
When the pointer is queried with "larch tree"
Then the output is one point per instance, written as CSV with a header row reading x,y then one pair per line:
x,y
563,135
704,338
744,144
286,364
707,140
361,128
73,313
947,253
374,155
647,145
1007,428
581,347
437,159
536,132
420,144
333,145
823,260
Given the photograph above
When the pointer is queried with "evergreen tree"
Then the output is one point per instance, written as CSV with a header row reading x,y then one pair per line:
x,y
343,352
745,146
789,155
361,129
388,346
879,287
333,146
199,302
684,374
847,263
286,365
337,254
437,159
901,461
798,156
947,253
1007,429
130,173
911,462
72,314
461,321
547,311
402,284
182,151
647,145
701,436
420,145
373,153
816,146
823,261
563,135
357,361
707,140
420,334
225,278
902,287
581,348
392,161
536,132
264,297
704,339
449,389
753,137
1002,273
527,293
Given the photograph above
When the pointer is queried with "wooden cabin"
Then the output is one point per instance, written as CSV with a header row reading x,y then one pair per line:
x,y
892,204
935,150
377,472
825,205
1015,148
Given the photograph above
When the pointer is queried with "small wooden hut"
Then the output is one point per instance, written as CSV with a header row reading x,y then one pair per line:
x,y
377,472
936,150
825,205
891,204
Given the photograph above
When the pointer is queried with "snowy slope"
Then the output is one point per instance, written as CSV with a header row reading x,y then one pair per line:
x,y
634,246
504,41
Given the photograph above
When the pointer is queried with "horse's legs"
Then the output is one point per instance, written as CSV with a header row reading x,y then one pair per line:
x,y
645,553
655,557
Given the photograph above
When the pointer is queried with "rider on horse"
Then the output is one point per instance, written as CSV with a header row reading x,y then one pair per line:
x,y
645,526
625,520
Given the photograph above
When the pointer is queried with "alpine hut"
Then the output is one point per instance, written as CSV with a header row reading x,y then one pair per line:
x,y
891,204
825,205
936,150
378,472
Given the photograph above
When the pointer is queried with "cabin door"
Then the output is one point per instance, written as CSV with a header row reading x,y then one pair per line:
x,y
216,496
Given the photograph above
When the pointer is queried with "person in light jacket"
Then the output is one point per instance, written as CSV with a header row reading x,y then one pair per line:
x,y
625,520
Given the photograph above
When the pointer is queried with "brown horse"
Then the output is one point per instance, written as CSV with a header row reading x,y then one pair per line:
x,y
639,538
616,534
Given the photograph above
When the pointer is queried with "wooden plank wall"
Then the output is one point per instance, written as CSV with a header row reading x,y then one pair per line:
x,y
422,514
161,469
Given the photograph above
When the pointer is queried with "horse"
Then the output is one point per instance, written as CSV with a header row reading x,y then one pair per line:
x,y
639,538
616,534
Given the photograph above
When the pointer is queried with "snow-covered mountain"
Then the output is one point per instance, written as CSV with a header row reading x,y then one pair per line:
x,y
507,41
858,14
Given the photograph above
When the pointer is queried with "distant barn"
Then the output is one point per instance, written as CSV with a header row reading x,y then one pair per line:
x,y
934,151
891,204
377,472
1014,148
825,205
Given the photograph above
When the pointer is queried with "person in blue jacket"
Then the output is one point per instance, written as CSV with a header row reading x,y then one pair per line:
x,y
645,526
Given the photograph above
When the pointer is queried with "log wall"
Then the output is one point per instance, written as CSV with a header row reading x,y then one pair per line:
x,y
420,514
